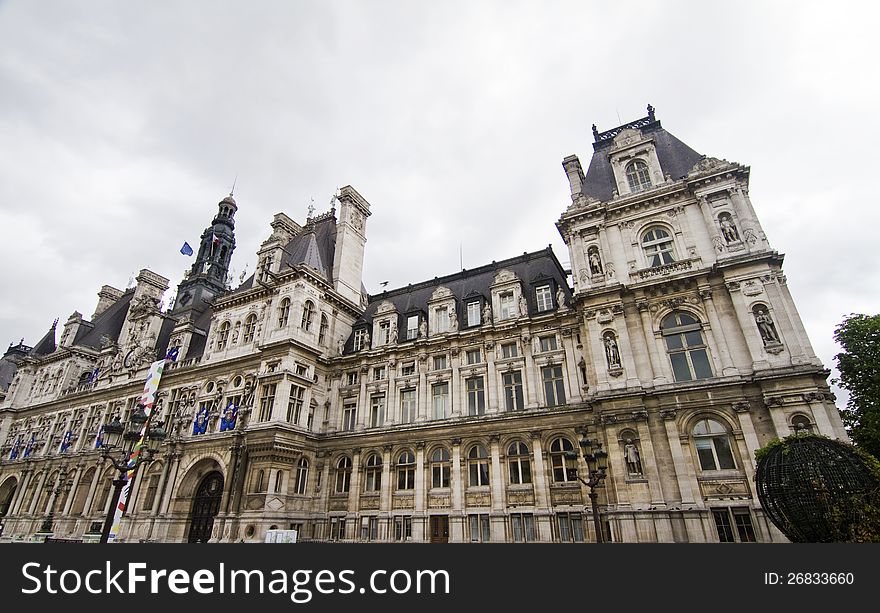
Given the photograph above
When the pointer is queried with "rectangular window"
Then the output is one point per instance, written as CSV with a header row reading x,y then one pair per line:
x,y
743,521
408,368
722,523
351,378
439,362
369,528
349,416
412,327
473,313
476,396
474,356
523,527
360,337
508,307
337,528
544,298
548,343
379,373
554,389
441,319
402,528
513,392
440,400
150,497
384,332
267,402
508,350
295,404
377,411
479,528
407,406
302,370
571,527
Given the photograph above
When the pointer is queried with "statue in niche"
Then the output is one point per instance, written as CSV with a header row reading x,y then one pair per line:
x,y
728,228
560,298
423,329
340,344
633,460
392,335
595,261
523,307
453,320
487,313
612,351
765,325
367,339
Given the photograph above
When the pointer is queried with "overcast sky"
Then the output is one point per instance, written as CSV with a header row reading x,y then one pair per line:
x,y
123,124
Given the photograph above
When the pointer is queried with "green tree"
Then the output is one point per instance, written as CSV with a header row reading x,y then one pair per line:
x,y
859,366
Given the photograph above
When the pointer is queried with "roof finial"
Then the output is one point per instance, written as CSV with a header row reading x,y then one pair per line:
x,y
650,112
595,134
232,191
54,323
311,208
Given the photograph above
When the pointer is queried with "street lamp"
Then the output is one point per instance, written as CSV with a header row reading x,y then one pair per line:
x,y
595,457
61,485
118,445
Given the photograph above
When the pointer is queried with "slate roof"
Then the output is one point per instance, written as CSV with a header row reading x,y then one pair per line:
x,y
675,157
47,343
108,323
314,246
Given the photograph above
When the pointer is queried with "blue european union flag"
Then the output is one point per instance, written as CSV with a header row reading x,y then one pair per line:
x,y
186,249
172,354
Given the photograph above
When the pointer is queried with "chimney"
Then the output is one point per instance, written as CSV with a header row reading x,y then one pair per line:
x,y
107,296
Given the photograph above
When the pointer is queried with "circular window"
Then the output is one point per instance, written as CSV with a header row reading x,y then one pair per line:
x,y
273,527
209,387
236,382
249,531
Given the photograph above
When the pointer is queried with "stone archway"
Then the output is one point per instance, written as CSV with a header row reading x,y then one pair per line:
x,y
7,493
206,504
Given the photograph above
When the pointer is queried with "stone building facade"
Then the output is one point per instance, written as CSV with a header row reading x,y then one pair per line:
x,y
449,410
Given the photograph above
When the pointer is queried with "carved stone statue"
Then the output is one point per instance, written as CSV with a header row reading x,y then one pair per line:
x,y
453,320
392,335
595,261
487,313
633,460
340,344
560,298
728,228
612,351
766,326
423,329
367,339
523,307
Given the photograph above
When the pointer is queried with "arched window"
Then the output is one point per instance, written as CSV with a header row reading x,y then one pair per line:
x,y
343,475
563,460
223,335
406,470
440,468
373,473
258,485
279,481
637,176
283,313
801,423
712,443
250,327
519,461
658,246
308,314
685,346
478,466
322,331
302,475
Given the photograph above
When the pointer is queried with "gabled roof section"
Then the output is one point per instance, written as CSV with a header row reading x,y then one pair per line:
x,y
675,157
47,343
314,246
108,323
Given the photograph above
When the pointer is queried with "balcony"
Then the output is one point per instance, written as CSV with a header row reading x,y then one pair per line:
x,y
655,272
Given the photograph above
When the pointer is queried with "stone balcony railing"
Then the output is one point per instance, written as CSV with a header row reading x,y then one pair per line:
x,y
665,270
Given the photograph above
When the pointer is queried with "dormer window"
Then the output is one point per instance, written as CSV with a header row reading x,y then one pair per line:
x,y
508,306
658,246
473,313
637,175
543,298
360,339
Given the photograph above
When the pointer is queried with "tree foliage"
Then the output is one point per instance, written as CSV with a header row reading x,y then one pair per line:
x,y
859,366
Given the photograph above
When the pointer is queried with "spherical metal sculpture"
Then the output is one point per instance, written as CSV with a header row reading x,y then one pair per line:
x,y
817,490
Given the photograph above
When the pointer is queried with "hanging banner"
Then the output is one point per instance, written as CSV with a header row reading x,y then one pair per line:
x,y
148,397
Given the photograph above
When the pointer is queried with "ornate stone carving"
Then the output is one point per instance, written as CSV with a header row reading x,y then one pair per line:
x,y
668,414
741,407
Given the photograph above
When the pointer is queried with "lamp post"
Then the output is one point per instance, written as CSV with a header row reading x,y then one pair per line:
x,y
61,486
595,457
118,445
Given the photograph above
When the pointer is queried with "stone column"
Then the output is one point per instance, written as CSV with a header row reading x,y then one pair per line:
x,y
20,492
422,401
750,439
658,372
354,491
420,495
747,324
90,497
530,374
496,516
684,473
494,394
37,491
456,532
387,485
727,366
170,482
571,366
542,491
69,502
649,459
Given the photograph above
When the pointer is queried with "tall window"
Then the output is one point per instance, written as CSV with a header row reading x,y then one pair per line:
x,y
343,475
478,466
519,461
360,339
658,246
742,522
223,335
295,404
150,496
302,475
440,400
571,527
377,411
412,327
407,368
684,343
406,470
284,313
402,527
508,307
267,402
508,350
250,328
407,406
522,525
351,378
474,356
379,373
439,362
548,343
440,468
479,527
476,396
279,481
349,415
373,473
637,176
308,315
712,443
384,332
544,298
554,389
513,392
441,319
259,482
322,331
473,313
560,461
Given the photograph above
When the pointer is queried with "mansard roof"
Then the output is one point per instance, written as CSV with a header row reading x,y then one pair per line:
x,y
108,323
530,268
675,157
47,343
314,246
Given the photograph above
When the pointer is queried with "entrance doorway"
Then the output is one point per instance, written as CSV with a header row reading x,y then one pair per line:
x,y
439,528
205,507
